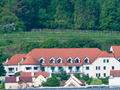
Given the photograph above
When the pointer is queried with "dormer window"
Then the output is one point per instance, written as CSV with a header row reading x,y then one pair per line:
x,y
77,60
119,59
69,60
23,59
52,60
59,60
86,60
42,60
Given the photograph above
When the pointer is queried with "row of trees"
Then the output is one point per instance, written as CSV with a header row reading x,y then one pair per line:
x,y
56,78
24,15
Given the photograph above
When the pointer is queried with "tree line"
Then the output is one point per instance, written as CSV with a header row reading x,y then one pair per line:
x,y
25,15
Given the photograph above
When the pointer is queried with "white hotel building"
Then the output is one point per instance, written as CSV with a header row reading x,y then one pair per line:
x,y
91,61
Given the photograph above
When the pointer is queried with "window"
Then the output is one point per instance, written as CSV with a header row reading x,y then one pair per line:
x,y
53,69
77,60
87,67
16,69
107,60
119,59
42,60
97,67
28,68
69,60
42,68
35,68
86,60
104,74
112,67
104,60
70,68
59,60
97,74
11,70
77,69
60,68
104,67
52,60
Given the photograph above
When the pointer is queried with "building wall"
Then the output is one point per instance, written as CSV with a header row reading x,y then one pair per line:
x,y
16,69
100,63
38,81
11,85
114,81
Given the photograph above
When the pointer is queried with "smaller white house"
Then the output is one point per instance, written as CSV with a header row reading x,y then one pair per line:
x,y
114,77
73,82
37,77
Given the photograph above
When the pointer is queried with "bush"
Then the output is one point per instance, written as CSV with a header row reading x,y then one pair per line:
x,y
1,86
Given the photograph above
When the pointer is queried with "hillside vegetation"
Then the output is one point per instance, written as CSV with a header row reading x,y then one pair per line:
x,y
25,15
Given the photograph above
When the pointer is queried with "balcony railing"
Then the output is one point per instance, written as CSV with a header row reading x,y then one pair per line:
x,y
11,72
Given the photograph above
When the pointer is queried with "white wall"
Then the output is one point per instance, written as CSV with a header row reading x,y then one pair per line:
x,y
99,62
114,81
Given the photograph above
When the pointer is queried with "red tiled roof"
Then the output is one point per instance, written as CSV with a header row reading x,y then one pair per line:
x,y
25,74
105,54
10,79
116,51
15,59
63,53
36,74
30,60
115,73
40,73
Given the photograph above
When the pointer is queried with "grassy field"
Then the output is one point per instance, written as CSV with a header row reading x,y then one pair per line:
x,y
62,35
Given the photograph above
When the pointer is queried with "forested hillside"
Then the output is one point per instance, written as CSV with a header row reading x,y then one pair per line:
x,y
25,15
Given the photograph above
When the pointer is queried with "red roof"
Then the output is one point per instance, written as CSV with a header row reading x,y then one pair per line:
x,y
115,73
30,60
116,51
15,59
105,54
64,53
36,74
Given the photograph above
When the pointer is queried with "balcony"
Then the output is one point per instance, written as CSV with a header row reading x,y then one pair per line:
x,y
11,72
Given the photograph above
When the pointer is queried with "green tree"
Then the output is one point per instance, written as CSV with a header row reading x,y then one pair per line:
x,y
96,82
108,17
50,43
62,75
2,71
82,43
53,81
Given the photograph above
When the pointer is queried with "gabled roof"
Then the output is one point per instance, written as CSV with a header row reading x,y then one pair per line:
x,y
36,74
116,51
15,59
10,79
105,54
73,81
30,61
40,73
63,53
115,73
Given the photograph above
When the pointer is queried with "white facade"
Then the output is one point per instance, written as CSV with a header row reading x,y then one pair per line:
x,y
114,80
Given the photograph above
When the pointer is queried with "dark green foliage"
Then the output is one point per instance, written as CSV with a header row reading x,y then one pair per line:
x,y
82,43
2,71
50,43
60,14
17,74
62,75
82,76
53,81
